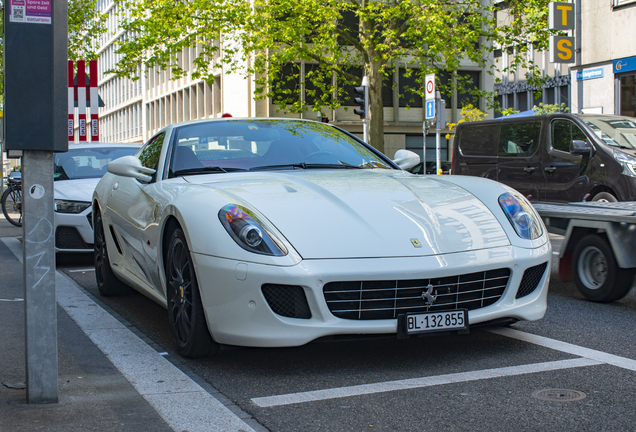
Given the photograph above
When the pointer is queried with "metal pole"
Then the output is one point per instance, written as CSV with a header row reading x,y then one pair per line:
x,y
578,58
40,309
425,128
438,139
438,151
365,122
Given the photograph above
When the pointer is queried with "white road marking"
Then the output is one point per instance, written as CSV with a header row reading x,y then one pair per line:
x,y
182,403
12,300
364,389
82,270
614,360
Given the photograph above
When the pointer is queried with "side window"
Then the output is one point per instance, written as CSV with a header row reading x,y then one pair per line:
x,y
563,132
479,140
561,135
578,134
519,139
149,155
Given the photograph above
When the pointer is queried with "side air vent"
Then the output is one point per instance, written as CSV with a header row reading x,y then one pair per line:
x,y
287,300
117,245
531,278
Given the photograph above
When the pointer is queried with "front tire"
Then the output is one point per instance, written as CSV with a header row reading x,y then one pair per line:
x,y
596,273
107,283
604,197
185,309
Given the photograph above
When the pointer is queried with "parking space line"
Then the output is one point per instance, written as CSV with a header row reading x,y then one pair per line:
x,y
569,348
407,384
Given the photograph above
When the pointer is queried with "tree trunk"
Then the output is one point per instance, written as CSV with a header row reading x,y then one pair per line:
x,y
376,108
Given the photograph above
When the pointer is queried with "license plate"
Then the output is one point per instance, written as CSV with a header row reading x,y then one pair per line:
x,y
436,321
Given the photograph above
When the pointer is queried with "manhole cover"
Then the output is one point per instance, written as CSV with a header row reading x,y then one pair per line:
x,y
558,395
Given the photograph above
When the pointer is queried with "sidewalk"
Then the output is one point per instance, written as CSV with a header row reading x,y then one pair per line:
x,y
108,378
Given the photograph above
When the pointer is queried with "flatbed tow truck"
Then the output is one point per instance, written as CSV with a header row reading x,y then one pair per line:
x,y
599,246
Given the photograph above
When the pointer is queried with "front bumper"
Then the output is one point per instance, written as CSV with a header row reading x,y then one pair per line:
x,y
238,314
74,231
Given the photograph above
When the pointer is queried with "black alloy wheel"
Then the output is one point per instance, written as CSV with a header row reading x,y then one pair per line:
x,y
107,282
185,310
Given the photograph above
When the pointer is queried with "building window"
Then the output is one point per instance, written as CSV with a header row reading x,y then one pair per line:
x,y
522,101
406,82
289,83
415,144
628,95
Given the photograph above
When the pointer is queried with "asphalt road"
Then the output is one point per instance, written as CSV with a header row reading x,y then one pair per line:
x,y
488,380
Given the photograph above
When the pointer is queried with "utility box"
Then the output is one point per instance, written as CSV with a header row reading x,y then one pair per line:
x,y
35,75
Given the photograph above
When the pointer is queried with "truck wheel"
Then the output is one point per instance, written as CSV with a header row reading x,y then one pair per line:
x,y
596,273
604,197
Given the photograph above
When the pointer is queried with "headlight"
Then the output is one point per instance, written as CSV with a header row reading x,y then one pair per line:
x,y
627,161
249,232
521,215
62,206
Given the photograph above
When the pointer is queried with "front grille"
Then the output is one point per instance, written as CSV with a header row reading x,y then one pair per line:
x,y
531,279
287,300
367,300
69,238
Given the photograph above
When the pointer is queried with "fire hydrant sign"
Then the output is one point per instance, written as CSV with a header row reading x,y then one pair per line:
x,y
31,11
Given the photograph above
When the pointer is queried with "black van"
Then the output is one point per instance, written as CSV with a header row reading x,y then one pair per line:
x,y
559,158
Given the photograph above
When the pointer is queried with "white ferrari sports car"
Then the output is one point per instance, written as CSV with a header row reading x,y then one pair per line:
x,y
276,232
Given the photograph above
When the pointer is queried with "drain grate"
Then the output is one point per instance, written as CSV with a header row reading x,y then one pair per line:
x,y
558,395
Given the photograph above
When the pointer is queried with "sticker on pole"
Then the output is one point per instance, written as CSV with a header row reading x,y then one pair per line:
x,y
429,86
36,191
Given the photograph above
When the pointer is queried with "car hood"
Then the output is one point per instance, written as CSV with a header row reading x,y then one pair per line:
x,y
75,190
365,213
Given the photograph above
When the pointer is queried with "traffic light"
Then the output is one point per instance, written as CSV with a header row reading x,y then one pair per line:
x,y
363,101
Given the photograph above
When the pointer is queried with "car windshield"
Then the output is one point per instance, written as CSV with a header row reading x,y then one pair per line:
x,y
87,162
616,131
268,144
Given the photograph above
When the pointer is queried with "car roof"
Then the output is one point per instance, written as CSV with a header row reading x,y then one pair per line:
x,y
102,144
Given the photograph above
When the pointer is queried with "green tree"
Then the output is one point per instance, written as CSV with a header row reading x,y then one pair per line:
x,y
340,39
545,109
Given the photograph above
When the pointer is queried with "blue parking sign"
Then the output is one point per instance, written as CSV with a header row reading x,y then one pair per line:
x,y
430,109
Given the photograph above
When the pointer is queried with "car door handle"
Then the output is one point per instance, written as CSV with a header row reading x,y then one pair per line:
x,y
550,169
115,186
529,170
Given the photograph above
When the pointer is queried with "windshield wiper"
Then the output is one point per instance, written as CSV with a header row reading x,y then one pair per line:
x,y
202,170
277,167
303,165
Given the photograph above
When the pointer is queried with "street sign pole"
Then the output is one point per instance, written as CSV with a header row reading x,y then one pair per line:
x,y
365,121
440,121
430,111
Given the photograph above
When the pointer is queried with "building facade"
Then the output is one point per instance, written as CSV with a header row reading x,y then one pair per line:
x,y
604,77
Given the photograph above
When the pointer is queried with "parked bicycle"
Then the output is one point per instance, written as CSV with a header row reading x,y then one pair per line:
x,y
12,201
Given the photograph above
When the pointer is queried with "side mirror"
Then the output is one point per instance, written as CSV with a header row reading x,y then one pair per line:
x,y
130,166
580,147
406,159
